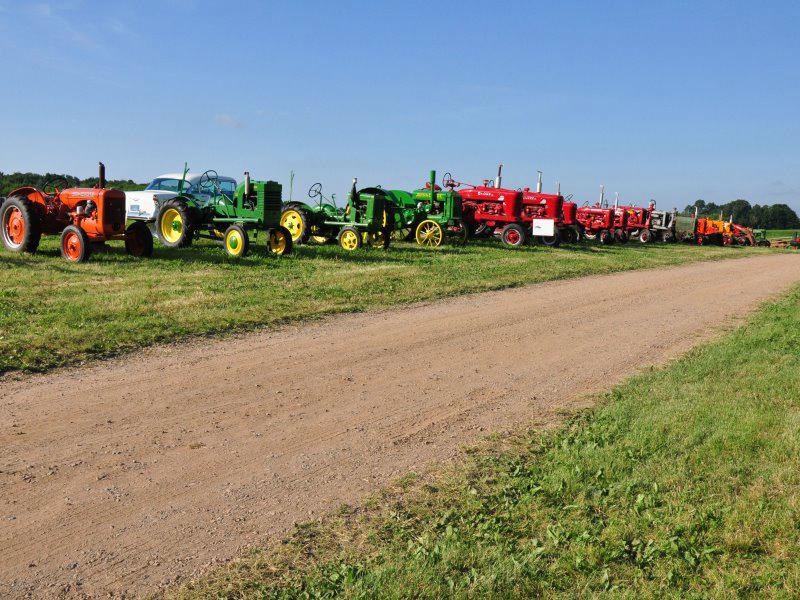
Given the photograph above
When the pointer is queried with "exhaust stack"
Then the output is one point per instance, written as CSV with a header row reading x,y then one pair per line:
x,y
102,176
602,195
616,200
433,187
499,179
558,188
248,185
539,183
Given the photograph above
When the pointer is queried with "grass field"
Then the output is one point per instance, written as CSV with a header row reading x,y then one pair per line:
x,y
54,313
774,234
683,482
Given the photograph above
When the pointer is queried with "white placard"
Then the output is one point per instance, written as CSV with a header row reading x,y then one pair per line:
x,y
544,227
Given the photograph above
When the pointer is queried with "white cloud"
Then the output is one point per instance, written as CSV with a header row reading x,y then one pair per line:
x,y
228,121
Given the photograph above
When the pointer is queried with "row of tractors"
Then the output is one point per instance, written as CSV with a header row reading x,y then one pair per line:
x,y
86,218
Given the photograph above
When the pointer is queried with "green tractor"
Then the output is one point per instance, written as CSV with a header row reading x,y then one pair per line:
x,y
760,238
429,215
365,219
254,207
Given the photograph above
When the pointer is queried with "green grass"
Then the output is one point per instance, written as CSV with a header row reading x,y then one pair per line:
x,y
53,313
683,482
774,234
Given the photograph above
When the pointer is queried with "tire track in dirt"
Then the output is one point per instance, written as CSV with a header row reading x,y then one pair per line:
x,y
123,476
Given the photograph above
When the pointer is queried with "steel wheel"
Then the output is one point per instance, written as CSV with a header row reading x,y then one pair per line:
x,y
429,233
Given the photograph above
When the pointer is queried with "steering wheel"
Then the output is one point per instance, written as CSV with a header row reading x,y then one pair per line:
x,y
54,185
447,180
315,190
209,181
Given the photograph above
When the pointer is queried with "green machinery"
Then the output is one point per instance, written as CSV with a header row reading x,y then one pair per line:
x,y
429,215
365,219
760,237
255,207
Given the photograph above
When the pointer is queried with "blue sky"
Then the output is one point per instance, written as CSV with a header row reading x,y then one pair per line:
x,y
669,100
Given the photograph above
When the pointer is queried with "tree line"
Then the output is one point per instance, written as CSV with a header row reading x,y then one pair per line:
x,y
766,216
12,181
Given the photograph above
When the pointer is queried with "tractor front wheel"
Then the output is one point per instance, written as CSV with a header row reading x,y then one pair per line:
x,y
297,221
236,242
645,236
553,241
21,226
279,241
75,244
349,238
429,233
139,240
174,224
605,237
513,235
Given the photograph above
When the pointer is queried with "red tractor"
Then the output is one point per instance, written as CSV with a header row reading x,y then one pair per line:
x,y
82,216
550,207
516,213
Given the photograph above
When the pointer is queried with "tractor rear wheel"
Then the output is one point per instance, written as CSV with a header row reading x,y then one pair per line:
x,y
349,238
298,222
21,225
174,224
279,241
645,236
75,245
236,242
513,235
139,240
429,233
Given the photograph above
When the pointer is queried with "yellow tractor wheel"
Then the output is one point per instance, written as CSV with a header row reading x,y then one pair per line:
x,y
236,241
350,238
296,221
429,233
279,241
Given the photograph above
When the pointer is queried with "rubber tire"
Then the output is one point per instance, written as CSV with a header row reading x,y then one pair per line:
x,y
551,241
482,230
188,225
620,236
305,220
33,223
345,229
289,242
645,236
86,248
245,241
605,238
519,230
139,228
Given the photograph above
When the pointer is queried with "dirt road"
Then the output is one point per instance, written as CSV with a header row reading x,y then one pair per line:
x,y
118,478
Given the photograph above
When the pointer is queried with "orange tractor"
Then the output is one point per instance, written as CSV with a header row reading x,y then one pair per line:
x,y
725,233
84,217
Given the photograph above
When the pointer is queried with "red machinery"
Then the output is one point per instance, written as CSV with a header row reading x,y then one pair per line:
x,y
600,222
488,207
537,205
82,216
